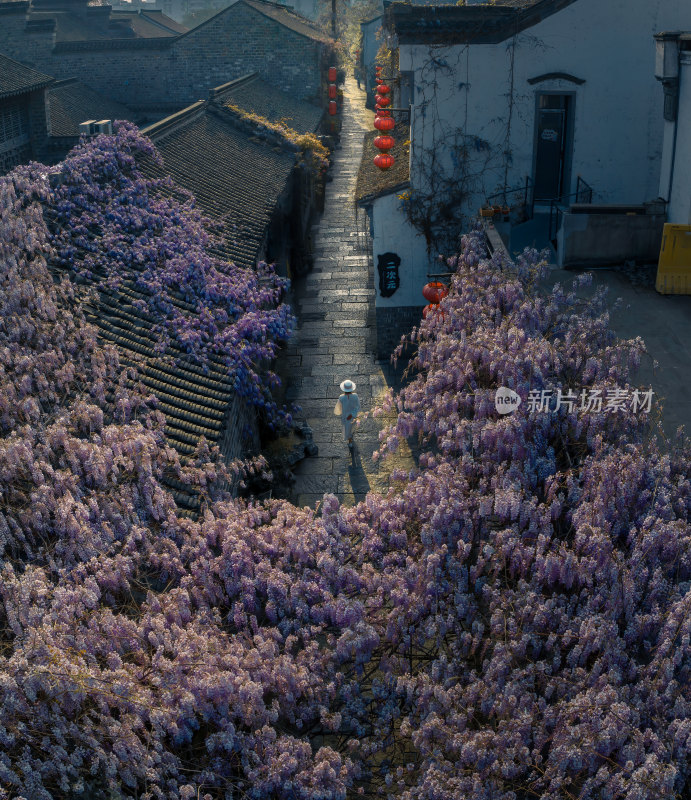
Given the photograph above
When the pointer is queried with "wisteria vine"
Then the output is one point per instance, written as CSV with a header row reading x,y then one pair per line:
x,y
112,225
511,620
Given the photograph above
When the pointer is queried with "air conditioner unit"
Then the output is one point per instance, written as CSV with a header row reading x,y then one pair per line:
x,y
87,127
103,126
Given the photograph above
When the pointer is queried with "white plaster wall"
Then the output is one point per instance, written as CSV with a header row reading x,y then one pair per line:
x,y
618,123
370,43
393,234
679,209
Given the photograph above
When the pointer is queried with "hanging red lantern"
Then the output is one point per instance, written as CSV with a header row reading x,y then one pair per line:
x,y
384,142
384,160
382,100
333,107
384,123
333,91
382,112
435,292
378,81
332,74
378,68
383,89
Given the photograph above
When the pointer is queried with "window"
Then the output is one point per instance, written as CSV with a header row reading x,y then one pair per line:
x,y
13,123
407,89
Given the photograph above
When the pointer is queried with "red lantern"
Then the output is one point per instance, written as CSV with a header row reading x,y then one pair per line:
x,y
378,81
384,123
333,107
432,307
382,112
384,142
332,74
383,89
333,91
378,68
435,292
382,100
384,160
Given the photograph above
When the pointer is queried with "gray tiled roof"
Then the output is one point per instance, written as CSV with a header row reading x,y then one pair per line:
x,y
72,102
195,403
257,96
148,24
373,182
98,23
15,78
237,181
291,19
235,178
480,23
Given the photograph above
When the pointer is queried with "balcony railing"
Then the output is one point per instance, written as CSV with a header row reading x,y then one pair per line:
x,y
526,190
583,194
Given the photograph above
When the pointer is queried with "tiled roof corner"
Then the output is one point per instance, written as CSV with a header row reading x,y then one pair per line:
x,y
290,18
481,23
15,78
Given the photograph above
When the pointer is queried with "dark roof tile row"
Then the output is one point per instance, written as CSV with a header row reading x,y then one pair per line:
x,y
236,179
256,96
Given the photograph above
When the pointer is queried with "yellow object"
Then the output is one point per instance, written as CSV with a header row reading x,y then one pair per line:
x,y
674,266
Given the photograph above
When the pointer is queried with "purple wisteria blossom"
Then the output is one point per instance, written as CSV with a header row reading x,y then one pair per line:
x,y
510,621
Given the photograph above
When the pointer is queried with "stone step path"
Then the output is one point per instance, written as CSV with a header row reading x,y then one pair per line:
x,y
336,336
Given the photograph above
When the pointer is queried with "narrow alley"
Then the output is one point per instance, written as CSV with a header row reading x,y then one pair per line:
x,y
336,334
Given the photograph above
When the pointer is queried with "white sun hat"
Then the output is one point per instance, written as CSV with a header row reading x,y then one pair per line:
x,y
348,386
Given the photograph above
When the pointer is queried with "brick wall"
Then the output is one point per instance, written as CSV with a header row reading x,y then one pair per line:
x,y
13,42
38,121
392,323
142,72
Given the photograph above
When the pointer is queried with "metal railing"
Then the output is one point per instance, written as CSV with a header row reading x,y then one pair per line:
x,y
528,196
583,194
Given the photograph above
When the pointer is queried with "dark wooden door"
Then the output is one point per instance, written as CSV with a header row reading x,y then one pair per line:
x,y
549,163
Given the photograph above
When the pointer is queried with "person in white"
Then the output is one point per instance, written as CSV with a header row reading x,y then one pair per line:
x,y
347,406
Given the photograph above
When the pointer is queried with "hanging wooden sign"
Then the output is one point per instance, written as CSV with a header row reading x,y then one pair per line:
x,y
389,279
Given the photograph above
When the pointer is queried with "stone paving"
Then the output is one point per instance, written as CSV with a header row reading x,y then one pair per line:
x,y
336,336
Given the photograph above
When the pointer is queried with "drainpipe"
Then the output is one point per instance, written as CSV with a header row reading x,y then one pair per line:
x,y
668,71
676,129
